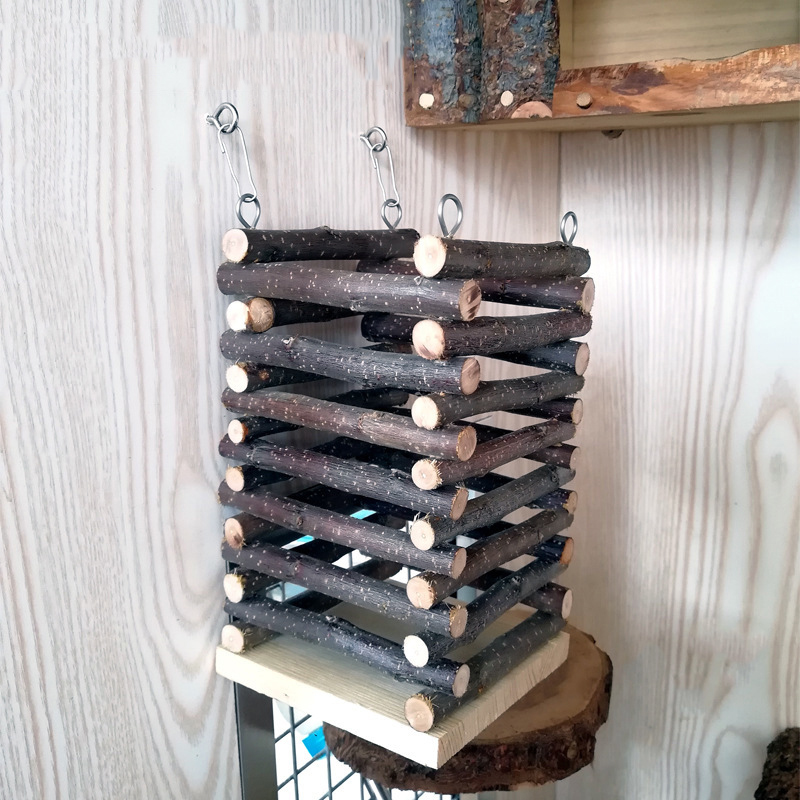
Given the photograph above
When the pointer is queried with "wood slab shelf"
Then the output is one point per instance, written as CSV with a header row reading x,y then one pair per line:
x,y
626,65
356,698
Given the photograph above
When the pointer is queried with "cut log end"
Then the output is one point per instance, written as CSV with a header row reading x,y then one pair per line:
x,y
233,639
566,604
425,474
466,444
571,503
459,562
425,413
587,297
420,592
234,533
234,478
461,682
459,503
574,460
237,431
237,378
470,375
256,315
582,359
234,587
567,553
577,412
430,253
469,300
419,713
458,620
428,339
422,534
235,245
415,650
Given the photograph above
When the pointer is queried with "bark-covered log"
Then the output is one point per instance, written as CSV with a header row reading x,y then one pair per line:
x,y
246,377
243,478
503,594
434,411
239,637
562,356
558,498
344,637
247,429
559,455
364,479
427,589
442,61
486,336
259,314
316,244
387,327
355,291
520,58
294,566
430,474
570,293
377,541
567,409
378,427
427,532
462,258
354,364
552,598
495,661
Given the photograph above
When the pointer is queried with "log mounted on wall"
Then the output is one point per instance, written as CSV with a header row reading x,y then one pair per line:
x,y
259,314
559,356
377,541
378,427
438,257
354,364
348,586
428,588
317,244
495,661
356,291
434,411
344,637
247,377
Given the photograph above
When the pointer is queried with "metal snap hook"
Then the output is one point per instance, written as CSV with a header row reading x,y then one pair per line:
x,y
215,118
569,216
375,147
387,204
449,233
248,197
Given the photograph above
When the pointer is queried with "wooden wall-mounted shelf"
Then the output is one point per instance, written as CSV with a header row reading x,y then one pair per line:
x,y
627,64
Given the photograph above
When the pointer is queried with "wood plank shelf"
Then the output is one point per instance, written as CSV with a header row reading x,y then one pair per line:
x,y
648,65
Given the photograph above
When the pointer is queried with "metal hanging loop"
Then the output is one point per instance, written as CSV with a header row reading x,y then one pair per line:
x,y
449,233
379,146
570,216
249,197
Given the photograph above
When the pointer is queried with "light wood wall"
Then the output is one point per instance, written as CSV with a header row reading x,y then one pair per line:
x,y
114,195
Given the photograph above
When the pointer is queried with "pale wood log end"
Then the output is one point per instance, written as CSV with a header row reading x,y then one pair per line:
x,y
459,562
577,412
419,713
234,587
469,300
428,339
571,503
470,375
587,297
425,413
235,245
415,650
234,478
256,315
582,359
237,431
461,682
430,253
237,378
566,605
569,549
459,503
466,444
422,534
458,619
233,638
420,593
424,473
234,533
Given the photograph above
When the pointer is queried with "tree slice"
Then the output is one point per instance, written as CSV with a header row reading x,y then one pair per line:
x,y
545,737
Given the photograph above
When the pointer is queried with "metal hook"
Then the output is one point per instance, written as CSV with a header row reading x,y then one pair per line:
x,y
228,128
449,233
378,147
570,215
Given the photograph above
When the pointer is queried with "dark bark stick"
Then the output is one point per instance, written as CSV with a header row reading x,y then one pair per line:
x,y
355,291
427,589
552,598
317,244
567,409
559,455
461,258
259,314
348,586
244,478
486,336
494,662
378,427
365,479
377,541
428,532
562,356
434,411
503,594
342,636
246,377
430,474
354,364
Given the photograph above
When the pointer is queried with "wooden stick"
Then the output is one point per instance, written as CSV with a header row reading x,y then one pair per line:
x,y
259,314
427,532
559,455
377,541
430,474
348,586
552,598
503,594
239,245
338,634
243,478
355,291
567,409
566,356
461,258
494,662
378,427
488,335
366,479
434,411
354,364
427,589
244,377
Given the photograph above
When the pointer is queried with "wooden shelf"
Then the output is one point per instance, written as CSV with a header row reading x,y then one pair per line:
x,y
650,64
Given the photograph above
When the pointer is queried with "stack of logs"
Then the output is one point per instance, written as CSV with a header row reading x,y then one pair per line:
x,y
428,477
